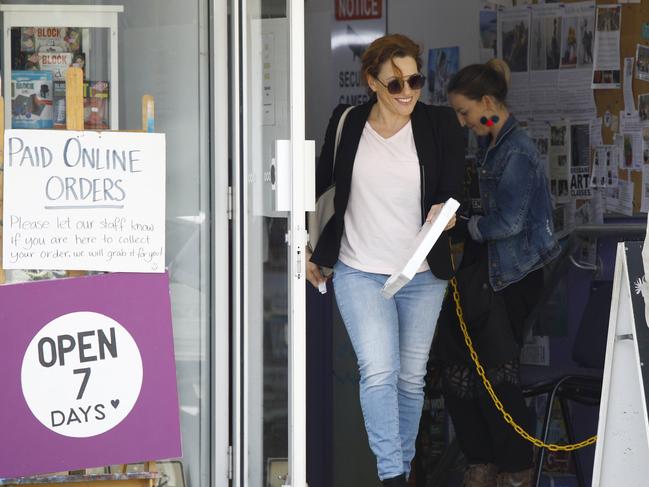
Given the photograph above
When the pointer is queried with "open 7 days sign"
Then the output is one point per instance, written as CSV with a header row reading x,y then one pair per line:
x,y
90,379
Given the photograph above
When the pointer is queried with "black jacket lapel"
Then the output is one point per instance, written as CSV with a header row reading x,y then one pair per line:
x,y
347,148
424,134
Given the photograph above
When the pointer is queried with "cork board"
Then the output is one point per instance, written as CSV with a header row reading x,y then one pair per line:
x,y
633,16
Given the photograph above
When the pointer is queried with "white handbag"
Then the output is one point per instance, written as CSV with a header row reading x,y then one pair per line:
x,y
324,206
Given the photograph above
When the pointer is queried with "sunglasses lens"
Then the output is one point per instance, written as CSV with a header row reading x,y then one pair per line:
x,y
395,86
416,81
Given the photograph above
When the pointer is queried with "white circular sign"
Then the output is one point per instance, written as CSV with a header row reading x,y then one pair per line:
x,y
82,374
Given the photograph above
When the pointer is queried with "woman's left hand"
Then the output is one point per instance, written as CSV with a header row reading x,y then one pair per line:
x,y
434,211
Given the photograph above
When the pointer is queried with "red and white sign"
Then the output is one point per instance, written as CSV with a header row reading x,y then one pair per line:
x,y
359,9
355,25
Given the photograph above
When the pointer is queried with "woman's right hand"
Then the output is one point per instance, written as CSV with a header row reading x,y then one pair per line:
x,y
313,274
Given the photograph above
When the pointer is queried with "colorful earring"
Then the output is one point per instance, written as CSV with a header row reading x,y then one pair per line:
x,y
491,121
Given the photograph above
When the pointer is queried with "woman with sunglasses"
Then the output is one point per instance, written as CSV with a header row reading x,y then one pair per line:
x,y
509,238
397,161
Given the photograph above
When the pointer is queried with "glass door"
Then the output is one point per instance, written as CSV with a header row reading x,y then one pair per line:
x,y
273,182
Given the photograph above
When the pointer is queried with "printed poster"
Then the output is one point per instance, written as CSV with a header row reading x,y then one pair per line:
x,y
606,69
559,156
443,63
577,100
488,34
631,131
545,54
643,108
580,161
539,132
642,62
513,48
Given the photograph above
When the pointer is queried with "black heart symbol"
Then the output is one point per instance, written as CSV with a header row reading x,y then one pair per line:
x,y
115,403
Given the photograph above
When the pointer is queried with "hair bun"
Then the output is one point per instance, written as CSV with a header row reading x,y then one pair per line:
x,y
501,68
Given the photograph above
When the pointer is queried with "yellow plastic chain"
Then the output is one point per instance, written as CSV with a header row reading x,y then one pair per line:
x,y
499,406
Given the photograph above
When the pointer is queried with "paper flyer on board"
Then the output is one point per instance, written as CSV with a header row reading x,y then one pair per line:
x,y
559,155
644,207
629,102
587,251
619,198
545,57
513,48
631,131
580,161
559,218
443,63
488,34
643,109
606,68
596,132
642,62
601,165
539,132
577,46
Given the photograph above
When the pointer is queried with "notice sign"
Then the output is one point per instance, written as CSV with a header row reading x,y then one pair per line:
x,y
356,23
359,9
84,200
88,373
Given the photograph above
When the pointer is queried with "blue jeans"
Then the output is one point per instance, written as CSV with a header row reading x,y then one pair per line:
x,y
391,338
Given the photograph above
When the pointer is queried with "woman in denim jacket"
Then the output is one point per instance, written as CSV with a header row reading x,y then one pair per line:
x,y
509,237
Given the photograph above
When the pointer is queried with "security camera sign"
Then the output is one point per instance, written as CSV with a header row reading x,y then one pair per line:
x,y
88,375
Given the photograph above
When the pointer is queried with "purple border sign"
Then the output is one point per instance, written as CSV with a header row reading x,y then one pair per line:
x,y
88,376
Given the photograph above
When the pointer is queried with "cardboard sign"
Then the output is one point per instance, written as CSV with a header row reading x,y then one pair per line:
x,y
88,374
84,200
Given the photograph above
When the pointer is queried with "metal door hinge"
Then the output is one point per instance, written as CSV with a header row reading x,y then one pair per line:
x,y
230,463
230,203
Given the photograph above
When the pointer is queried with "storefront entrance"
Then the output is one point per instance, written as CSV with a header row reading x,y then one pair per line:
x,y
273,181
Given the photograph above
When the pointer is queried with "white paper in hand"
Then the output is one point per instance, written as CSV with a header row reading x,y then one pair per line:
x,y
425,240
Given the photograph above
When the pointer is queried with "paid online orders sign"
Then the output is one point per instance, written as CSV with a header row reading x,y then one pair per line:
x,y
88,375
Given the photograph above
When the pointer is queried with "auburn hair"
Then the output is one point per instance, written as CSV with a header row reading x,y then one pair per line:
x,y
385,49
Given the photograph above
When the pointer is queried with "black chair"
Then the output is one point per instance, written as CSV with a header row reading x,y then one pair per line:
x,y
588,351
582,388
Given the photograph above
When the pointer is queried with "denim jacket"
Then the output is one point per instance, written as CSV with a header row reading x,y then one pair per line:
x,y
517,221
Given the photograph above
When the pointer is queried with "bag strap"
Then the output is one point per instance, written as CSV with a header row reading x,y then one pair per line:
x,y
339,131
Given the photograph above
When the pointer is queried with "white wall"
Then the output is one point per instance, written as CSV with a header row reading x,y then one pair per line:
x,y
431,23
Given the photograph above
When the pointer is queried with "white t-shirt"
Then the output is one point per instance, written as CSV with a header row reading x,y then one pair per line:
x,y
383,214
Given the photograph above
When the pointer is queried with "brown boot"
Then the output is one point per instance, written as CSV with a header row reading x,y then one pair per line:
x,y
480,475
516,479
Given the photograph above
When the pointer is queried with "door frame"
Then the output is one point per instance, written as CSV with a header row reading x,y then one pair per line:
x,y
220,457
302,164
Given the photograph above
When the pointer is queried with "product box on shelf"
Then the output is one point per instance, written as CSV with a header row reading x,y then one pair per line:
x,y
31,99
96,107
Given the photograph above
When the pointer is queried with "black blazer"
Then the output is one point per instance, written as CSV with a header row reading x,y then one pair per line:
x,y
440,143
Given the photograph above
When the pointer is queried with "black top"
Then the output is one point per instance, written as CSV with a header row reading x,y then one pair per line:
x,y
440,144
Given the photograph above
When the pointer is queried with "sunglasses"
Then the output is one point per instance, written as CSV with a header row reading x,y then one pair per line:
x,y
395,85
